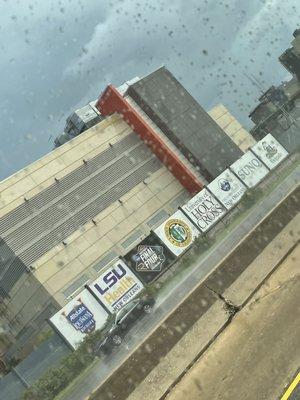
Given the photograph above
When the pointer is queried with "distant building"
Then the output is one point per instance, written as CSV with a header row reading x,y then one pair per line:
x,y
184,122
290,59
279,109
78,122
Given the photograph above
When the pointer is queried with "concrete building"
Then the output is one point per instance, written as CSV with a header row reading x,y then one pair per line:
x,y
79,121
278,111
230,125
69,215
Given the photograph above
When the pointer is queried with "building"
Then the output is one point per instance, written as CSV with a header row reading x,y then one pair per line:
x,y
237,133
79,121
184,122
290,59
69,215
278,111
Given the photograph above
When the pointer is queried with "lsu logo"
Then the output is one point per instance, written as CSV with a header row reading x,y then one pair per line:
x,y
111,278
116,286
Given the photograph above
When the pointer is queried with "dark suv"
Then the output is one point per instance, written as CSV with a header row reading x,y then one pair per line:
x,y
123,321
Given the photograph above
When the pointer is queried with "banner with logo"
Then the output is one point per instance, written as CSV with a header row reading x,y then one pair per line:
x,y
204,210
116,286
79,317
249,169
149,259
177,233
270,151
227,188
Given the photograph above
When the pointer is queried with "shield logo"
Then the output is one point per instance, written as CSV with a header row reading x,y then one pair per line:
x,y
81,318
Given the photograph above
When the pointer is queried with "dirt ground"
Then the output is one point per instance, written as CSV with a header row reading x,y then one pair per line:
x,y
258,353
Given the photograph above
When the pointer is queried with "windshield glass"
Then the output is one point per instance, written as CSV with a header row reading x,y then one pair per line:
x,y
149,158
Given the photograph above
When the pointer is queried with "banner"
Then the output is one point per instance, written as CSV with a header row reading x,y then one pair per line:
x,y
227,188
79,317
116,286
270,151
204,210
249,169
149,259
177,233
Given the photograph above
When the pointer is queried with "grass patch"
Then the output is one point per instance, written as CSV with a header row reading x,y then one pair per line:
x,y
77,380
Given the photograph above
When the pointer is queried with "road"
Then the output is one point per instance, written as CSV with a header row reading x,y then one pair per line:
x,y
257,355
293,390
172,299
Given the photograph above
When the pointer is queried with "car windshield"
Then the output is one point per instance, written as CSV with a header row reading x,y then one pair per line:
x,y
149,199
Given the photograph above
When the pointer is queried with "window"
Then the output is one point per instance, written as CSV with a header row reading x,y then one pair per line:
x,y
158,217
105,260
132,238
77,284
179,200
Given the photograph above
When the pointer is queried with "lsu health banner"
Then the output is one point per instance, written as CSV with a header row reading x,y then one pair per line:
x,y
204,210
116,286
249,169
149,259
227,188
78,318
177,233
270,151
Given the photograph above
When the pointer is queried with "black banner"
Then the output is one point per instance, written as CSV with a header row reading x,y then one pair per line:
x,y
149,259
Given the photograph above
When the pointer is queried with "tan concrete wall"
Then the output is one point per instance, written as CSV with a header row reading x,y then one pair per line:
x,y
62,265
232,127
37,176
57,269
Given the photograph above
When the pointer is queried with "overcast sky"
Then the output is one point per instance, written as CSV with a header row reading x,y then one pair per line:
x,y
55,56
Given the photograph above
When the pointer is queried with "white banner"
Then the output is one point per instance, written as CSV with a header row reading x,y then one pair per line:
x,y
79,317
204,209
177,233
116,286
249,169
270,151
227,188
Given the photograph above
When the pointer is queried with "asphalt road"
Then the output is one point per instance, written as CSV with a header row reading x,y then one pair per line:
x,y
258,353
172,299
293,391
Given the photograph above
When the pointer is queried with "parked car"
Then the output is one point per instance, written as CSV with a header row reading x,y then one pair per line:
x,y
123,321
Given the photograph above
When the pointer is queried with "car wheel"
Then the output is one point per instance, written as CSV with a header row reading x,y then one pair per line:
x,y
117,340
147,308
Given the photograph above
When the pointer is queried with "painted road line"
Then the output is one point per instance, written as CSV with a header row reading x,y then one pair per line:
x,y
289,393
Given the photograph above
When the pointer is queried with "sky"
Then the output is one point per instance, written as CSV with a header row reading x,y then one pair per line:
x,y
56,56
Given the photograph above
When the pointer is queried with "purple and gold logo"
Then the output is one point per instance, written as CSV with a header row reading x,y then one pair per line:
x,y
81,318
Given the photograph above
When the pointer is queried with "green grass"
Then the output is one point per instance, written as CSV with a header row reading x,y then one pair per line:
x,y
77,380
